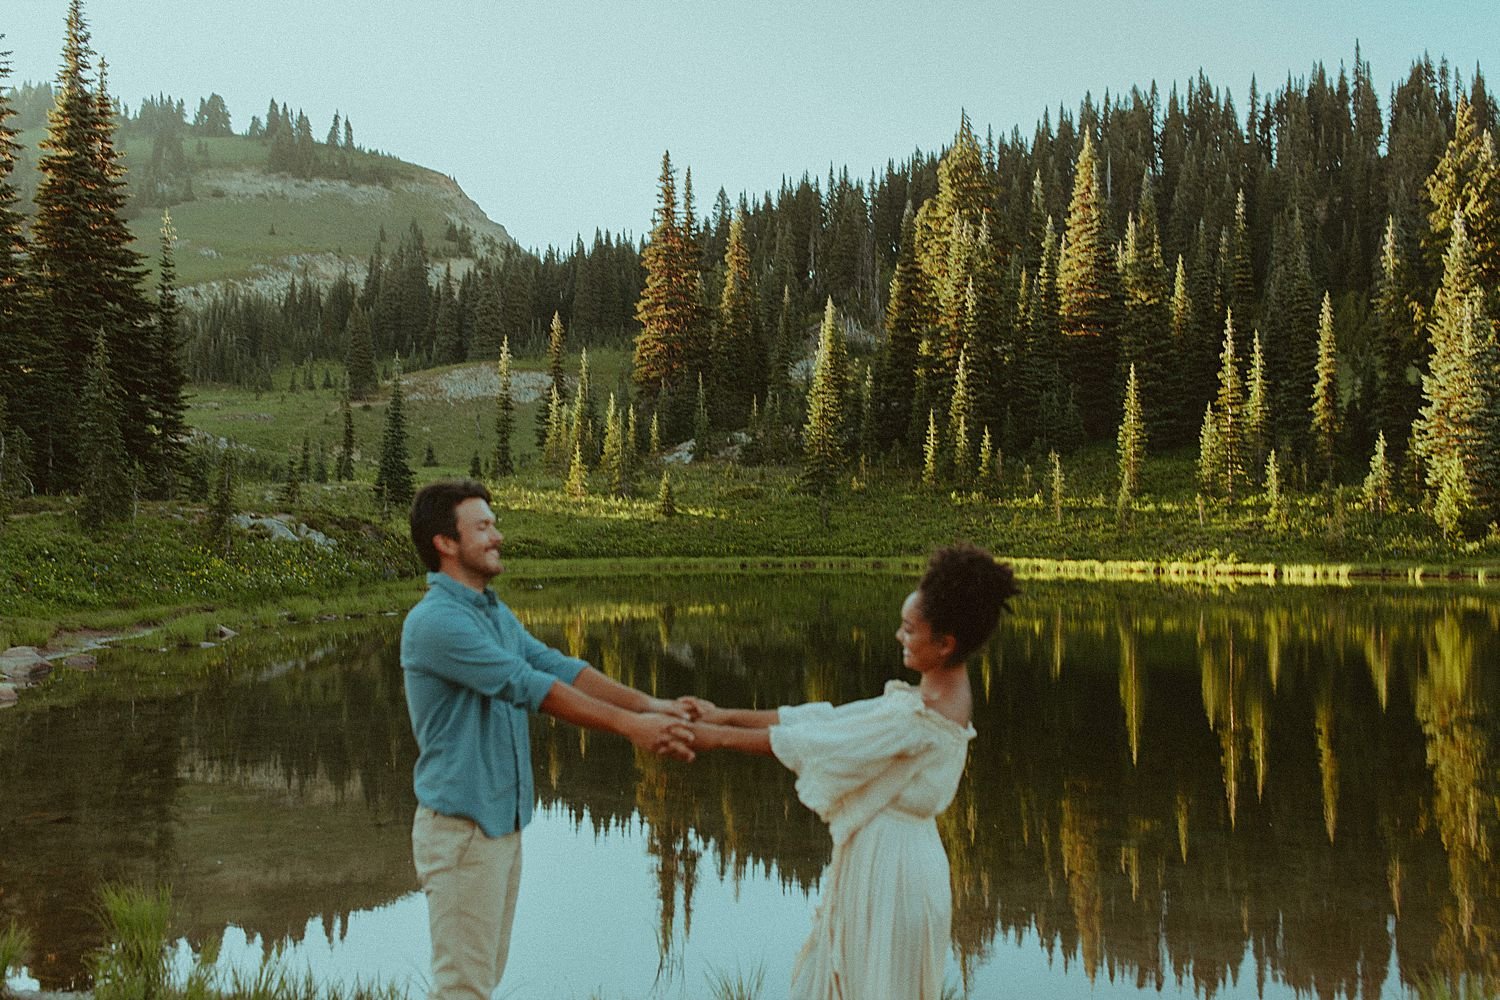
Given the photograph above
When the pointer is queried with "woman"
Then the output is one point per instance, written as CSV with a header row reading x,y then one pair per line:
x,y
879,772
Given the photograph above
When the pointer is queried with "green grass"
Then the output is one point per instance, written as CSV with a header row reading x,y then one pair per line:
x,y
15,945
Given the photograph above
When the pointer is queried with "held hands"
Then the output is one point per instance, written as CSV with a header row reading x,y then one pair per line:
x,y
667,735
701,710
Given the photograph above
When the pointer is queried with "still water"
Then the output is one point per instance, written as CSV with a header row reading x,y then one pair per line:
x,y
1252,792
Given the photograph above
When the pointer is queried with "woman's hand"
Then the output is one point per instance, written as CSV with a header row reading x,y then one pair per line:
x,y
675,707
702,710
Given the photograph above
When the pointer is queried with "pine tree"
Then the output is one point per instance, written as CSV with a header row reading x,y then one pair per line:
x,y
1257,422
823,432
702,436
221,504
629,455
359,361
88,276
1229,411
1398,343
738,355
1088,295
578,474
1377,488
19,347
555,443
105,466
344,466
671,346
583,420
291,488
666,503
1058,485
556,341
394,480
165,402
304,466
429,457
505,415
1130,442
1465,184
612,462
1275,500
986,456
960,417
1324,407
1183,387
1210,454
1454,433
930,451
906,320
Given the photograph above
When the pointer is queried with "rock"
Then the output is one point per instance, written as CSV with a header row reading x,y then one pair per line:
x,y
681,454
24,665
279,530
207,645
81,661
225,632
8,695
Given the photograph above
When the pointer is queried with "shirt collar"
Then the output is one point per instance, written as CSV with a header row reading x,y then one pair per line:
x,y
479,598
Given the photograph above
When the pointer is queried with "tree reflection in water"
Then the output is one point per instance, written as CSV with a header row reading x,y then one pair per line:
x,y
1168,783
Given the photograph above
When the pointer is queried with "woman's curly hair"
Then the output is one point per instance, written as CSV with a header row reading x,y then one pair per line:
x,y
962,594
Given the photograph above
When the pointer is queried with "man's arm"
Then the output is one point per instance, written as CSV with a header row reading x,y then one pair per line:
x,y
603,688
703,710
651,731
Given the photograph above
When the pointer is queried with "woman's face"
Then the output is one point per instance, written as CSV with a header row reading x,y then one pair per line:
x,y
921,649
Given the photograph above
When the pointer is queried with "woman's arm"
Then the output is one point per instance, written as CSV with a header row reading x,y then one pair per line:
x,y
744,718
708,736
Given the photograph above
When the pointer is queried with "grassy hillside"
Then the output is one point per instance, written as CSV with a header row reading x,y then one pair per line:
x,y
245,223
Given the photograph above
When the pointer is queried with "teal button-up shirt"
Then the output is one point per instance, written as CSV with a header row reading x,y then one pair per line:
x,y
472,673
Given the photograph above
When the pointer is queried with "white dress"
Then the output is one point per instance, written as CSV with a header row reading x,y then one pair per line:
x,y
877,772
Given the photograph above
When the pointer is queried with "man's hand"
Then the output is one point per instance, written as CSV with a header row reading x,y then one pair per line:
x,y
662,734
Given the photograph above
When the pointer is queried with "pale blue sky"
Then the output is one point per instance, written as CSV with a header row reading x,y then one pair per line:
x,y
553,114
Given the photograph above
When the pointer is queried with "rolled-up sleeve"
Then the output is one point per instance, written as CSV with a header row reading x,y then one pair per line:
x,y
538,654
461,650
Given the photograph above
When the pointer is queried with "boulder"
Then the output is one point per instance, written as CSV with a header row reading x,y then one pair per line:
x,y
24,665
81,661
7,695
225,632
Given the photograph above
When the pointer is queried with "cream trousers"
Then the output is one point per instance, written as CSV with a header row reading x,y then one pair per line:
x,y
471,883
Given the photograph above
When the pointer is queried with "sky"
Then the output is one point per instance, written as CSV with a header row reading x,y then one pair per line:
x,y
554,114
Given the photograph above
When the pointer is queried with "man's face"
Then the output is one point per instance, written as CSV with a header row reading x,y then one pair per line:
x,y
478,547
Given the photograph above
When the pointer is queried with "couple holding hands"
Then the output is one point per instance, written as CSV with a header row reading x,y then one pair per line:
x,y
877,771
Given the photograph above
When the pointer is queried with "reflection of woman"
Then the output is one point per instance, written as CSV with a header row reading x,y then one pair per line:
x,y
878,772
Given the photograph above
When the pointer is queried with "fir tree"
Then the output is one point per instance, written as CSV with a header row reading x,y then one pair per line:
x,y
1229,411
671,345
1058,485
555,443
738,356
505,415
359,362
666,503
291,487
702,443
578,474
654,440
304,466
476,467
930,451
107,488
556,342
1275,500
1399,343
88,276
1210,454
612,462
960,416
986,455
429,457
393,482
823,433
344,466
221,504
1088,297
906,320
1130,442
583,430
166,404
1257,422
1377,488
1324,407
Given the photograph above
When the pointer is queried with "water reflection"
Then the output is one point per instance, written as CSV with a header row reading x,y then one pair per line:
x,y
1223,792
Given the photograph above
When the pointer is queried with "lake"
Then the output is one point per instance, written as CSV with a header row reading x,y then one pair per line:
x,y
1260,791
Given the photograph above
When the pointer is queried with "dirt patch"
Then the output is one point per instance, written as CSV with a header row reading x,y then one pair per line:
x,y
474,381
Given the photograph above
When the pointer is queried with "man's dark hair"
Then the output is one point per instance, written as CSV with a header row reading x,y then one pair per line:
x,y
433,513
962,594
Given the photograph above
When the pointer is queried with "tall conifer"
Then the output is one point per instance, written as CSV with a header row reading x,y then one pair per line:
x,y
393,482
102,459
1088,295
1325,405
505,415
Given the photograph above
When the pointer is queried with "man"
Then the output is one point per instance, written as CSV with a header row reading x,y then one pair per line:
x,y
472,673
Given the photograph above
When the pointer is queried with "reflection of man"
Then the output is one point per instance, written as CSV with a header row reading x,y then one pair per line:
x,y
472,672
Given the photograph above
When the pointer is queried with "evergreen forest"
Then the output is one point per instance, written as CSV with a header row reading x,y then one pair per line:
x,y
1298,292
